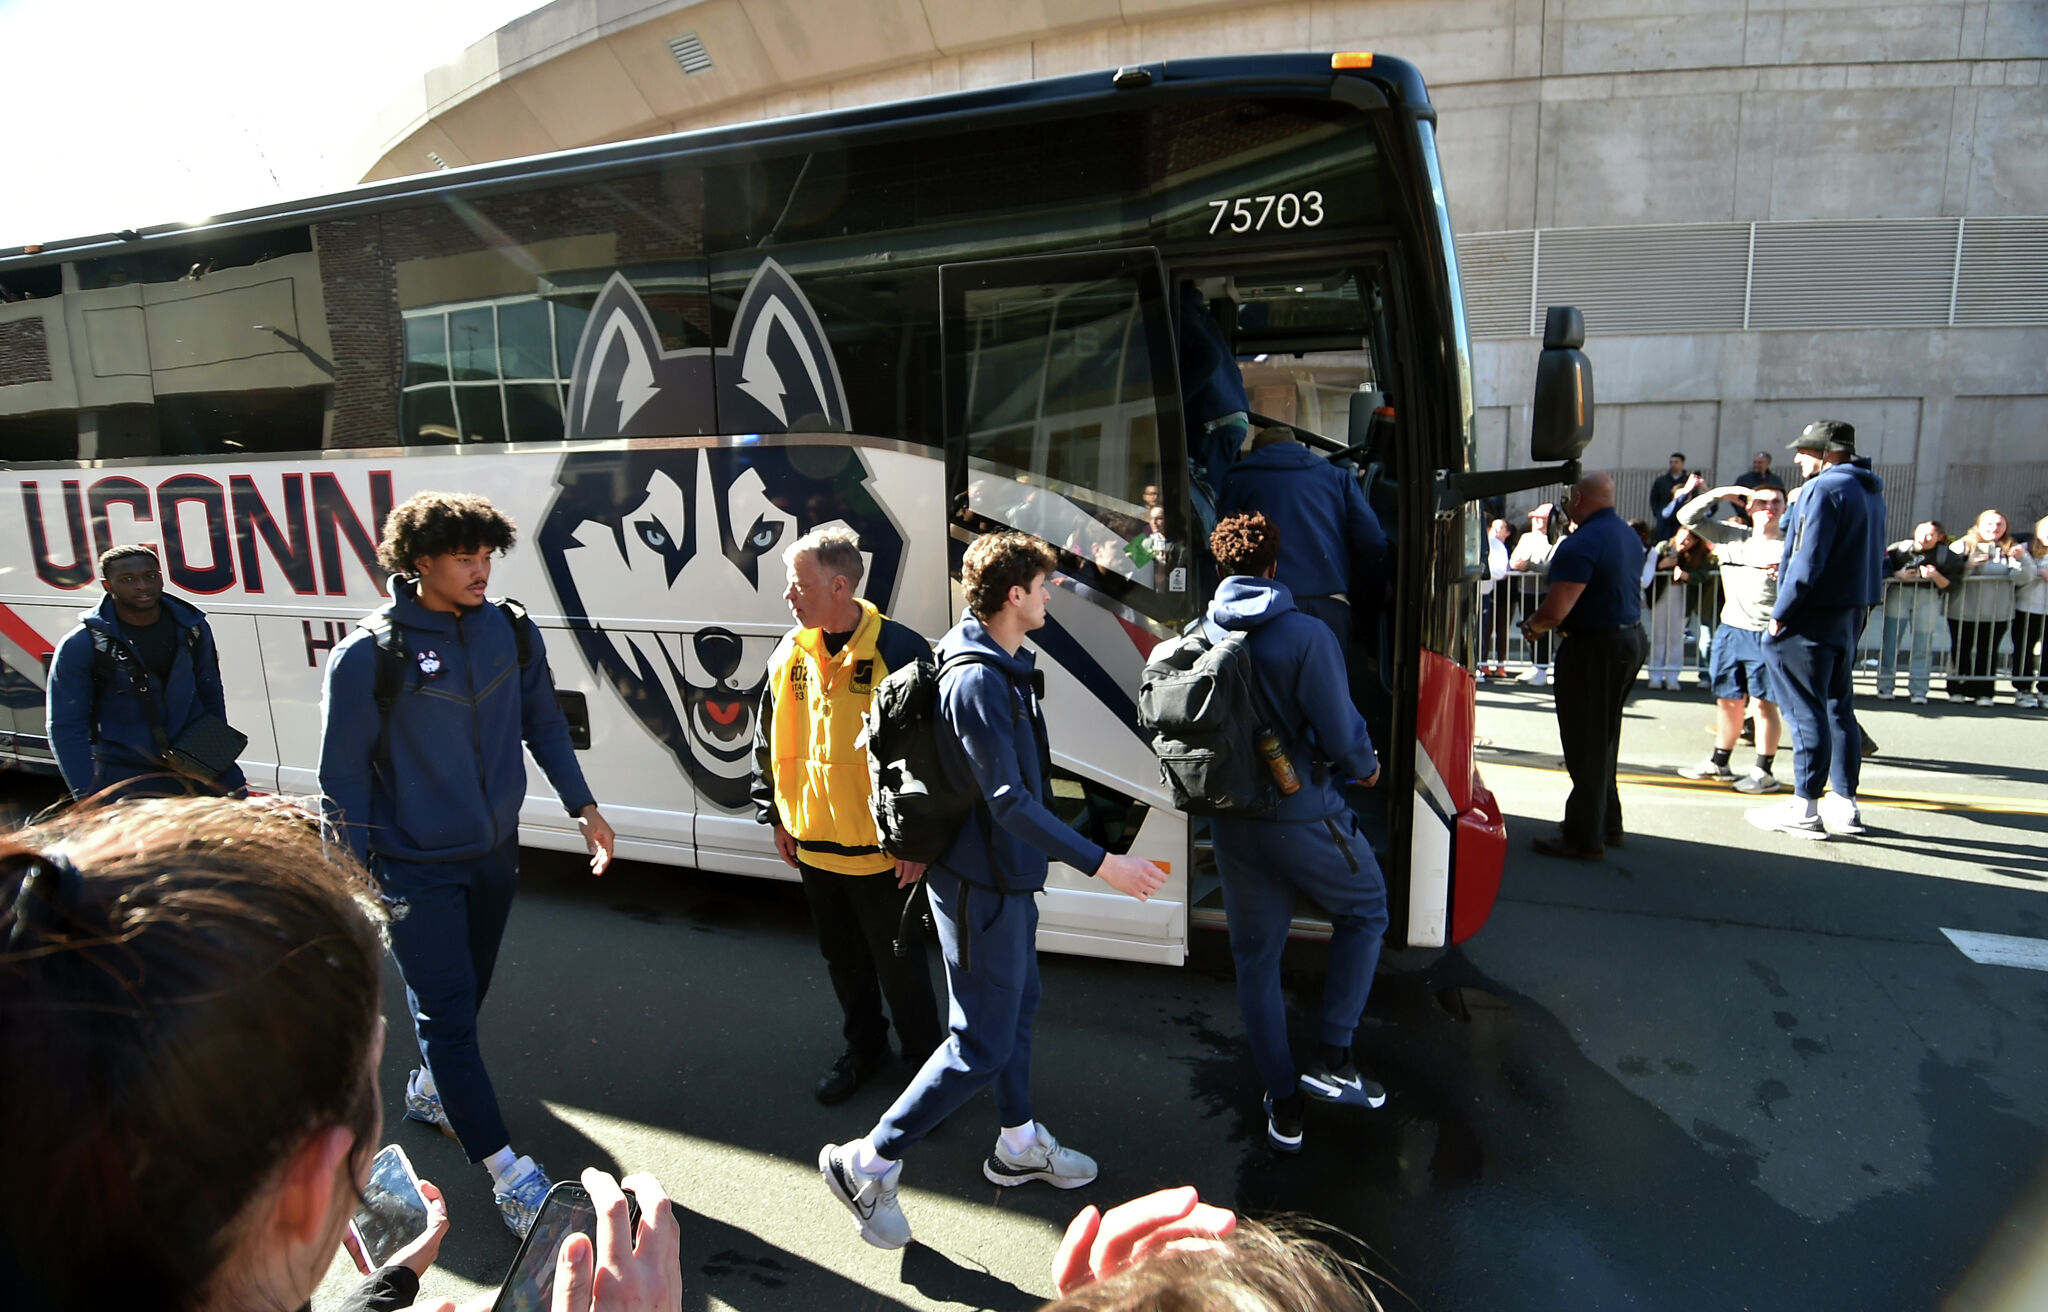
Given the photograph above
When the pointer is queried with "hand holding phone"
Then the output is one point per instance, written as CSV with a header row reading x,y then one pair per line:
x,y
402,1217
595,1226
638,1247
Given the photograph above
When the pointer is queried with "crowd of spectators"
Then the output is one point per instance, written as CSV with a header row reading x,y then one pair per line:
x,y
1986,591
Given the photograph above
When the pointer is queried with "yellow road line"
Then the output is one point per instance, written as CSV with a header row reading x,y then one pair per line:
x,y
1904,801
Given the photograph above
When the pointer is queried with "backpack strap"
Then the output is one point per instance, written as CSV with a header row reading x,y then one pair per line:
x,y
389,640
515,614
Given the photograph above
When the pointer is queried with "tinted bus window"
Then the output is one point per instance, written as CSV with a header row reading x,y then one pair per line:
x,y
1061,386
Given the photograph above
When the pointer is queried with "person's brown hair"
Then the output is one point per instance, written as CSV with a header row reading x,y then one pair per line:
x,y
998,562
1245,544
188,989
1253,1269
436,523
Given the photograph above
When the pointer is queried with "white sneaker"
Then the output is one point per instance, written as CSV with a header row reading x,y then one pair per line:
x,y
1062,1168
1707,769
1985,701
871,1198
1919,701
1884,694
520,1196
1757,781
1841,815
1789,817
1540,677
2029,700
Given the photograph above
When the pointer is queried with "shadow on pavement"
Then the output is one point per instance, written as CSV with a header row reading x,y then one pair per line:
x,y
945,1280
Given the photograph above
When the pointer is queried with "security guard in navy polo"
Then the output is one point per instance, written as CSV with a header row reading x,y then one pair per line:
x,y
1596,600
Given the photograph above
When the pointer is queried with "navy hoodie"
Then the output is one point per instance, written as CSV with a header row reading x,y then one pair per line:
x,y
995,716
456,778
1325,524
1304,680
1834,543
127,746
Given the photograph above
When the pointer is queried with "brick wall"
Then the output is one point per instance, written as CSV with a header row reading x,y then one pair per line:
x,y
24,353
361,296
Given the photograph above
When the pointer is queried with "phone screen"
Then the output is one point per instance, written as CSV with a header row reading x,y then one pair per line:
x,y
530,1284
567,1210
394,1213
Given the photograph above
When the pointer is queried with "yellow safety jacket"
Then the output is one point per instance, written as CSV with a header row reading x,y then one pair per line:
x,y
815,773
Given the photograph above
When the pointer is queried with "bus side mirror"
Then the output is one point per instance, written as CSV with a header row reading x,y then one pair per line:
x,y
1562,424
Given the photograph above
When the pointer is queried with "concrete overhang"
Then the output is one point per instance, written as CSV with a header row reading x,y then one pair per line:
x,y
584,72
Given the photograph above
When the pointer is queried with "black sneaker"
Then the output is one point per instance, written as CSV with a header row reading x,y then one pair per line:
x,y
1343,1086
852,1070
1283,1124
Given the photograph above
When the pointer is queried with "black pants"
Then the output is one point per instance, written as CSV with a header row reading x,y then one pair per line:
x,y
1975,643
857,918
1493,628
1592,680
2028,630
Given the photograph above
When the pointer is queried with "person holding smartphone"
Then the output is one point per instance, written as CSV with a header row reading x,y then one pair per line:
x,y
426,709
155,961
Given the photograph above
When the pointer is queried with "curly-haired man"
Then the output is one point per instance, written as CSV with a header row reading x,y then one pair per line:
x,y
426,708
1309,846
984,900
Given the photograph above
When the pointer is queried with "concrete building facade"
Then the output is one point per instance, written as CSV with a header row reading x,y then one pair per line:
x,y
1770,210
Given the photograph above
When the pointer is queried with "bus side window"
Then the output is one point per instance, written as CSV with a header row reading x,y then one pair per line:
x,y
1063,403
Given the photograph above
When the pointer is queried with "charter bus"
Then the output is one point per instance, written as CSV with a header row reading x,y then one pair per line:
x,y
668,358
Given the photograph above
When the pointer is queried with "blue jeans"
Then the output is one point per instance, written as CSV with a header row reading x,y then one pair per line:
x,y
1909,610
447,921
1264,865
989,941
1811,663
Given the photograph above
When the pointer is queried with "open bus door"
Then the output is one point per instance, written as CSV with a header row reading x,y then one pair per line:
x,y
1063,420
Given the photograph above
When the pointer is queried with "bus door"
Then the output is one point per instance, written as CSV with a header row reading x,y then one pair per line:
x,y
1063,420
1308,333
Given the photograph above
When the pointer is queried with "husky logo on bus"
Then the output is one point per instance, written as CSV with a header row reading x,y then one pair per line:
x,y
698,533
775,375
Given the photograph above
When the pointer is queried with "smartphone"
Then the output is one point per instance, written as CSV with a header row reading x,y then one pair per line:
x,y
394,1211
567,1210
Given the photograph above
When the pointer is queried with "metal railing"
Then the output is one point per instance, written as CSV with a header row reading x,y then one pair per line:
x,y
1918,633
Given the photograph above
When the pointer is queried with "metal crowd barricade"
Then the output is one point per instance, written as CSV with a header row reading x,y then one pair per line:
x,y
1909,638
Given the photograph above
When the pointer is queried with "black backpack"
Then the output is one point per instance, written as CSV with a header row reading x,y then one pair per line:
x,y
1202,700
917,803
392,654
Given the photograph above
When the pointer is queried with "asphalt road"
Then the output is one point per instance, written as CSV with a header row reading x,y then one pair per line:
x,y
1723,1069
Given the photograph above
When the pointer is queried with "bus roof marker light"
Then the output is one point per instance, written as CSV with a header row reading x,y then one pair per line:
x,y
1130,77
1351,59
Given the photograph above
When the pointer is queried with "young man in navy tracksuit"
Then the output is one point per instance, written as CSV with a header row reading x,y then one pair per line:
x,y
1833,572
987,916
1310,845
109,727
1332,548
427,795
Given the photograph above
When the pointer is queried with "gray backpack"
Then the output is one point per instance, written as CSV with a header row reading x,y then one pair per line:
x,y
1202,700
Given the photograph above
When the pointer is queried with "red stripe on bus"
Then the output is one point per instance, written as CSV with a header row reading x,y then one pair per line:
x,y
20,632
1444,709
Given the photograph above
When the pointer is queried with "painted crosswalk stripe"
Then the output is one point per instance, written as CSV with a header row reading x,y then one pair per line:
x,y
2000,949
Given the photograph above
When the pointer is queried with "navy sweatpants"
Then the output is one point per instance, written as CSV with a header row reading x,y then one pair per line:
x,y
1264,865
989,941
447,920
1811,664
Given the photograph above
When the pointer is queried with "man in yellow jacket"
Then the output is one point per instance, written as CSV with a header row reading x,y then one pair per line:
x,y
811,784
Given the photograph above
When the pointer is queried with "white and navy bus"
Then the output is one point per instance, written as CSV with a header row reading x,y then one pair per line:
x,y
669,358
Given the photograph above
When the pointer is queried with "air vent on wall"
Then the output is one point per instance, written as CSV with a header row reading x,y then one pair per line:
x,y
690,53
